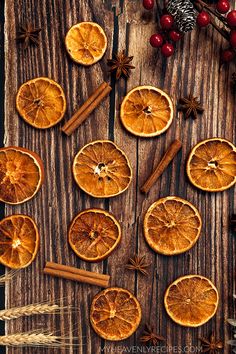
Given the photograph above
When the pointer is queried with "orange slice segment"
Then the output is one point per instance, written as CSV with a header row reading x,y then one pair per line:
x,y
101,169
86,43
41,102
94,234
191,300
115,314
146,111
211,165
19,241
172,226
21,174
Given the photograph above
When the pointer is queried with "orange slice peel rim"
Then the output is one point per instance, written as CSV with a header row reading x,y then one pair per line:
x,y
156,131
73,53
19,241
104,334
95,169
41,102
215,165
37,162
146,227
187,323
97,235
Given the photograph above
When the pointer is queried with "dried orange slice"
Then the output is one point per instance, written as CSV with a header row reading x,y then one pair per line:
x,y
115,314
211,165
146,111
86,43
41,102
94,234
21,174
172,225
101,169
191,300
19,241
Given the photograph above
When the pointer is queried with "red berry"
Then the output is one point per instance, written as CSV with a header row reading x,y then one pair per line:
x,y
223,6
156,40
167,21
227,55
148,4
167,50
203,19
233,38
175,36
231,18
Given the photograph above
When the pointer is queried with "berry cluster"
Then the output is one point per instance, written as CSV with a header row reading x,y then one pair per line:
x,y
167,35
222,7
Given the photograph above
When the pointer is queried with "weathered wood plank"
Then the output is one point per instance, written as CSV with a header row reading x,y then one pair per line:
x,y
195,67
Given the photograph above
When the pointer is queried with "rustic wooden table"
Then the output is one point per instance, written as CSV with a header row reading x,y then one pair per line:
x,y
194,67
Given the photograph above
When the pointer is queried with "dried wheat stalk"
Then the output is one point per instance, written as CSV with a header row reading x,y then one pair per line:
x,y
7,276
33,339
29,310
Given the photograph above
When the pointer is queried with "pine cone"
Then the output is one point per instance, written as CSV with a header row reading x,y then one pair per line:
x,y
183,13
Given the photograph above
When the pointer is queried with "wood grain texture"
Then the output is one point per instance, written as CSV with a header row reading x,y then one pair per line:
x,y
194,67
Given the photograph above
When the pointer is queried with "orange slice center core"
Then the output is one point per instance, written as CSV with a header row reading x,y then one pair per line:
x,y
112,313
170,224
93,234
90,46
12,172
16,243
101,170
213,164
147,110
39,102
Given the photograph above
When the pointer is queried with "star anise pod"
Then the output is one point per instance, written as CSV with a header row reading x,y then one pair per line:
x,y
233,222
28,34
191,106
150,337
120,65
211,345
138,263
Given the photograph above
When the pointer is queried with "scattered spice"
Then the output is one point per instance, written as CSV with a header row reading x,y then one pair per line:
x,y
28,34
138,263
150,337
191,106
233,222
211,345
120,65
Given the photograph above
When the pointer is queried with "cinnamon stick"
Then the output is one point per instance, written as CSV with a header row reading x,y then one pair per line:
x,y
165,161
88,107
76,274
